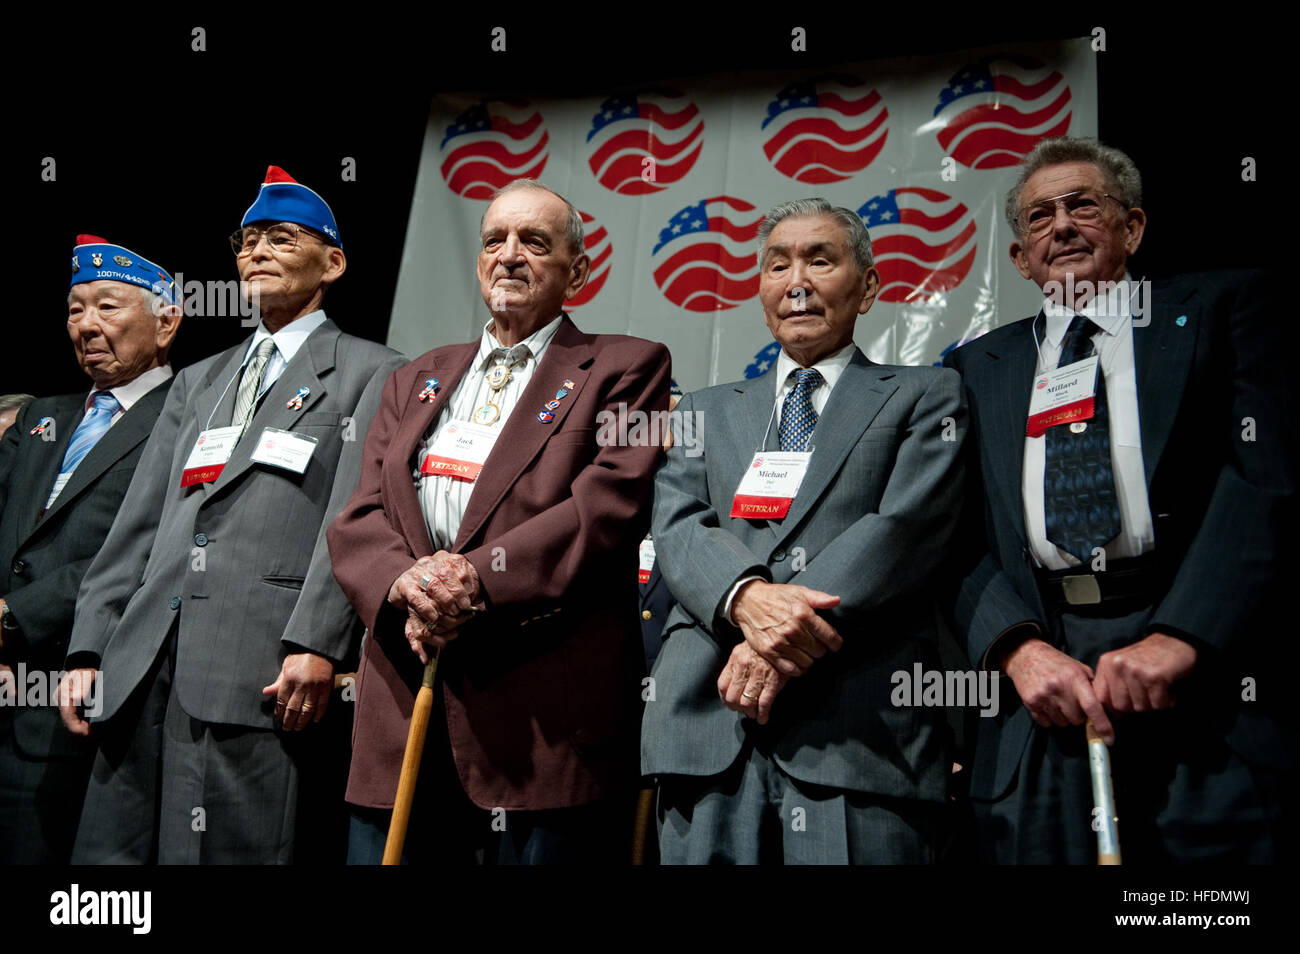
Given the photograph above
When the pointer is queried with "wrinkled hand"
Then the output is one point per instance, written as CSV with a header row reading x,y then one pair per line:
x,y
780,622
73,689
453,587
302,690
1056,688
749,683
1140,677
419,633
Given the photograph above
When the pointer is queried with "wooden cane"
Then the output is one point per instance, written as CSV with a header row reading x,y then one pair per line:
x,y
411,763
644,801
1105,821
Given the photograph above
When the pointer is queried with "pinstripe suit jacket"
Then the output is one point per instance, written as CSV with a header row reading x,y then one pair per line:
x,y
243,559
869,524
1208,361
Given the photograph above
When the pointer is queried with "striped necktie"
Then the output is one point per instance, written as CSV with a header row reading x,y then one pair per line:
x,y
251,383
798,418
92,427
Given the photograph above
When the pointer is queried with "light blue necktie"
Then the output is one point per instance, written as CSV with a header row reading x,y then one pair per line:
x,y
90,430
797,415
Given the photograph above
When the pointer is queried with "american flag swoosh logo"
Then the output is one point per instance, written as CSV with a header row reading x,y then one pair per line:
x,y
491,144
825,129
923,242
705,258
994,111
660,125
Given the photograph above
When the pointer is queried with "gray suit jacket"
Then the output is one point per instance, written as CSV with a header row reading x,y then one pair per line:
x,y
243,559
869,524
43,558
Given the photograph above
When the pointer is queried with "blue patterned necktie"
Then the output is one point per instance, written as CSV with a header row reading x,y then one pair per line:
x,y
90,430
797,415
1080,508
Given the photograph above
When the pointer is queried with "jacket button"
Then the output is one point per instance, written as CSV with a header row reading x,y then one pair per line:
x,y
778,556
646,614
201,539
175,602
18,566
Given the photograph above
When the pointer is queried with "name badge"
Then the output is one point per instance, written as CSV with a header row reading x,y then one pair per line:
x,y
770,484
1062,396
647,556
59,483
459,450
211,451
284,449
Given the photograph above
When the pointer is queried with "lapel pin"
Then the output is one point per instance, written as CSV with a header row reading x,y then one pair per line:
x,y
545,416
430,389
41,425
295,403
1180,320
570,385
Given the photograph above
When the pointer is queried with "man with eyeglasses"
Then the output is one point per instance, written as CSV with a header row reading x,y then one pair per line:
x,y
1129,468
64,469
211,619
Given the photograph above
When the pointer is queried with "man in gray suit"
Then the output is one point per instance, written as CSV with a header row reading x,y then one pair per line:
x,y
772,729
211,617
64,469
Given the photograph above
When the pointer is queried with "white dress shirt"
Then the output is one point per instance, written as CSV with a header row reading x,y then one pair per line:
x,y
287,342
1114,344
831,367
443,499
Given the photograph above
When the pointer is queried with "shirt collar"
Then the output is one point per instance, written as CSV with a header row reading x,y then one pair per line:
x,y
1108,312
831,367
289,338
127,394
536,342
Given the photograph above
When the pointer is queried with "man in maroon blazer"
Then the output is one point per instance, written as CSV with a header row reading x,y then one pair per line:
x,y
498,520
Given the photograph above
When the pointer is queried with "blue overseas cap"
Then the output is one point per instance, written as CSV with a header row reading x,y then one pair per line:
x,y
97,259
284,199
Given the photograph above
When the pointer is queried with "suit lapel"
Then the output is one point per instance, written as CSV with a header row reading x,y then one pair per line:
x,y
523,436
416,417
133,427
756,431
214,399
66,420
314,358
853,404
1011,382
1162,355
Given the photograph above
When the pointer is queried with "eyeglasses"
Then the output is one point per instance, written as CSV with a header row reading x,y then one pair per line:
x,y
1083,207
281,238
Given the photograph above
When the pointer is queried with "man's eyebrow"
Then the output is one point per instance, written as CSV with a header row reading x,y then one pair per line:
x,y
775,250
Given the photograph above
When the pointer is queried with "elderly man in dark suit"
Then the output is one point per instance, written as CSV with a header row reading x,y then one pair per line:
x,y
498,518
210,623
64,469
1129,471
799,547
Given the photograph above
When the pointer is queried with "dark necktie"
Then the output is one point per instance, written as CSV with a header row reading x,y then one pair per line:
x,y
1080,508
797,415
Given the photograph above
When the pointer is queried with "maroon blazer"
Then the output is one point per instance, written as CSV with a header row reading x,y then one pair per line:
x,y
543,690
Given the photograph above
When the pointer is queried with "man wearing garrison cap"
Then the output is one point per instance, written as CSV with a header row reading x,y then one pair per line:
x,y
211,626
65,466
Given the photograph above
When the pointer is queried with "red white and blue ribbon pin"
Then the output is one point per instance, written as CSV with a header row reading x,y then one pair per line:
x,y
547,413
295,403
430,389
41,425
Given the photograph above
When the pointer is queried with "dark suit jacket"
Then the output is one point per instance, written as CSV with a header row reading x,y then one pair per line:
x,y
43,559
1206,361
242,559
657,601
870,524
542,694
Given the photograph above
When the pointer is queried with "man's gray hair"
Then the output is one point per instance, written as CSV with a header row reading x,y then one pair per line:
x,y
572,228
855,233
12,402
1123,180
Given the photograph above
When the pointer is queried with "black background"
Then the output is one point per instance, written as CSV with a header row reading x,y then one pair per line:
x,y
160,148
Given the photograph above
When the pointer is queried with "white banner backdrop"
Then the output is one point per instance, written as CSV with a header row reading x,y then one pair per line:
x,y
673,179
